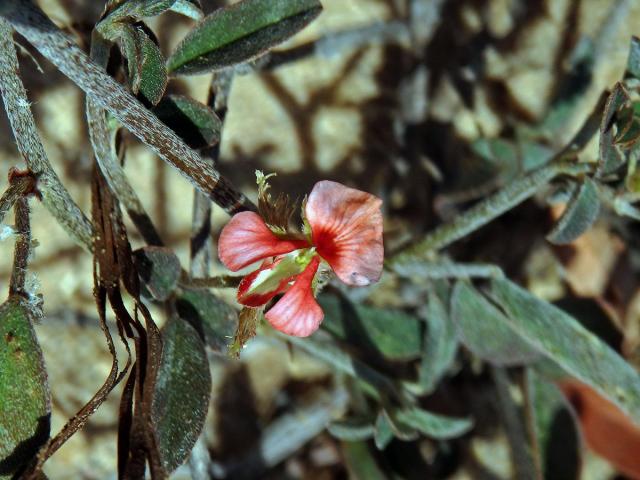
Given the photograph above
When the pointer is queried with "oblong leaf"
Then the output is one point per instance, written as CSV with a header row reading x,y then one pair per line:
x,y
581,212
188,8
633,62
136,9
484,330
240,32
383,433
147,72
159,270
440,344
569,344
352,430
25,403
204,310
434,425
361,463
181,396
194,122
391,332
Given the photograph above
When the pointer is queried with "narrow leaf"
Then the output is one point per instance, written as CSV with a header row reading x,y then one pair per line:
x,y
486,331
568,343
433,425
633,63
240,32
137,9
25,404
610,158
159,270
361,463
383,433
555,429
581,212
188,8
391,332
351,430
440,344
204,310
147,72
197,124
181,397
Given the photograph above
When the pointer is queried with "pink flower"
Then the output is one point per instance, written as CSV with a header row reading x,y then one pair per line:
x,y
345,232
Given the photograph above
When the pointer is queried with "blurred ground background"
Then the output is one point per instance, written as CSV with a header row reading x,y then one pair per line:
x,y
391,112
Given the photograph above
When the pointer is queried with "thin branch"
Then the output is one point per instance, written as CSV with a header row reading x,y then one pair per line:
x,y
487,210
16,190
58,48
55,197
22,250
223,281
104,151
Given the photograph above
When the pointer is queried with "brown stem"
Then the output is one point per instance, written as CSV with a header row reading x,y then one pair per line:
x,y
55,197
23,247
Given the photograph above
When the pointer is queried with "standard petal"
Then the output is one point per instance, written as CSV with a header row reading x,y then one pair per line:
x,y
247,239
297,313
346,227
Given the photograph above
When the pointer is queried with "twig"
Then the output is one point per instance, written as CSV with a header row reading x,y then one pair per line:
x,y
16,190
487,210
222,281
55,197
523,463
22,250
104,151
58,48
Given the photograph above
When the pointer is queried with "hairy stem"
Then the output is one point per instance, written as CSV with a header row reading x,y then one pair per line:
x,y
58,48
23,247
487,210
16,190
55,197
104,151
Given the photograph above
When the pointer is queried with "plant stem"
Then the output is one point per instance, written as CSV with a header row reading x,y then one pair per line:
x,y
16,190
23,247
58,48
55,197
104,151
487,210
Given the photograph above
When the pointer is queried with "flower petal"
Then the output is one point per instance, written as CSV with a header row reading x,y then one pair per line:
x,y
245,297
247,239
346,227
297,313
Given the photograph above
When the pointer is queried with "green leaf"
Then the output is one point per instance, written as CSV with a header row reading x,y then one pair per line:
x,y
633,62
360,462
239,32
433,425
205,311
486,331
181,397
25,404
147,72
159,270
581,212
610,158
555,428
195,123
440,345
383,433
352,430
392,333
136,9
188,8
569,344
